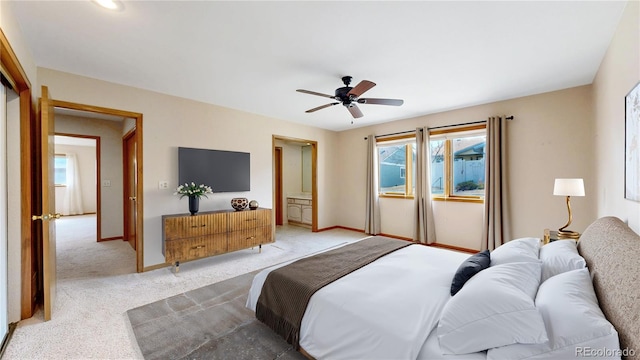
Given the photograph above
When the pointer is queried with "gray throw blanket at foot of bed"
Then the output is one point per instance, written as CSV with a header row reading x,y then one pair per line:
x,y
287,290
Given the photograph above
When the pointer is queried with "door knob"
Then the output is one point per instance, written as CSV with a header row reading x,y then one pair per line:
x,y
132,198
46,216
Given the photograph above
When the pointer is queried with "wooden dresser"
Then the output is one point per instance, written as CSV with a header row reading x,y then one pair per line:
x,y
187,237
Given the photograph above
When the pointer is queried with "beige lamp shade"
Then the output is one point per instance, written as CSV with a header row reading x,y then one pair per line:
x,y
568,187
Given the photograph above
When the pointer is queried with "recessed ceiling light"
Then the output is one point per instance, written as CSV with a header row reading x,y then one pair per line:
x,y
110,4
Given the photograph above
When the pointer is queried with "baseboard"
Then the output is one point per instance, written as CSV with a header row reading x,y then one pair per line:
x,y
7,337
396,237
112,238
156,267
340,227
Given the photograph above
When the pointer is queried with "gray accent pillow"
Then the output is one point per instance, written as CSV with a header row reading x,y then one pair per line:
x,y
473,265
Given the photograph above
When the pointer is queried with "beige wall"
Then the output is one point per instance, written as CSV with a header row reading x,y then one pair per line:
x,y
86,158
549,138
618,73
170,122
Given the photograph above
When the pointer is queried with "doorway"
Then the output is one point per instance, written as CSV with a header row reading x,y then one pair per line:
x,y
76,173
44,159
111,186
295,193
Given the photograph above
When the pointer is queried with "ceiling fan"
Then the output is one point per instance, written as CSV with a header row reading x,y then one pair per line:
x,y
350,97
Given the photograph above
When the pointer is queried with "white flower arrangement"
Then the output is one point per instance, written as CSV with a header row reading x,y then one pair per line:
x,y
193,190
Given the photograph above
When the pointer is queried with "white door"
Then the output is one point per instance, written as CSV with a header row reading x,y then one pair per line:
x,y
4,309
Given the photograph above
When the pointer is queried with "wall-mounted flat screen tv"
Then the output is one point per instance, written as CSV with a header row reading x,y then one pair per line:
x,y
224,171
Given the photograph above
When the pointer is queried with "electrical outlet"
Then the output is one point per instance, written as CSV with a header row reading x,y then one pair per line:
x,y
163,184
106,182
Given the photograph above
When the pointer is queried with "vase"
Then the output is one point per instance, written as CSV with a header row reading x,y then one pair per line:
x,y
239,203
194,204
253,204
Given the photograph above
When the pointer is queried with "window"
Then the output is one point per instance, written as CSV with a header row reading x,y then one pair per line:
x,y
396,166
60,170
457,164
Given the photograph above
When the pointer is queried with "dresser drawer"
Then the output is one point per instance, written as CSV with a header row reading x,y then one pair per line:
x,y
249,219
195,248
244,239
192,226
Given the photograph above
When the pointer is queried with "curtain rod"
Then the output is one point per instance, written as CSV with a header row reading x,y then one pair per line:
x,y
468,123
396,133
438,127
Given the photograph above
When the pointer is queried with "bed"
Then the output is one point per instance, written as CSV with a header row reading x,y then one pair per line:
x,y
529,301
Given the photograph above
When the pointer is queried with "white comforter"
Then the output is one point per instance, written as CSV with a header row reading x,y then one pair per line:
x,y
384,310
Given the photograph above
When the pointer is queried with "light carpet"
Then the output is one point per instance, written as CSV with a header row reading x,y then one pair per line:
x,y
89,318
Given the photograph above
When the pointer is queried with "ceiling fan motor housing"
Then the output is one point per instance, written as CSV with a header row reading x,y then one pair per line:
x,y
342,94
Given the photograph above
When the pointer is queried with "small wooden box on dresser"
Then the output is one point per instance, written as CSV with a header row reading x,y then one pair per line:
x,y
186,237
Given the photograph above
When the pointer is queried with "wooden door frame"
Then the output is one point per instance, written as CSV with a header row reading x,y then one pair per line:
x,y
28,233
139,188
314,175
277,160
98,187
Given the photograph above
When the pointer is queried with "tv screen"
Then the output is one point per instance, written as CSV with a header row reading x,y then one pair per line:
x,y
224,171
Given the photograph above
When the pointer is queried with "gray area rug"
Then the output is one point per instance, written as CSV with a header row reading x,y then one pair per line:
x,y
211,322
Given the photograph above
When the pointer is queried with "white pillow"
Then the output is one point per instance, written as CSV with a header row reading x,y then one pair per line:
x,y
494,308
573,319
560,256
517,250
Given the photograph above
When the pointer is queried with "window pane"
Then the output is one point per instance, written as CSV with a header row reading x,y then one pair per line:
x,y
468,166
60,170
437,167
393,165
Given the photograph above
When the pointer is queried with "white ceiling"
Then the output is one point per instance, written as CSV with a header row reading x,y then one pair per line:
x,y
252,56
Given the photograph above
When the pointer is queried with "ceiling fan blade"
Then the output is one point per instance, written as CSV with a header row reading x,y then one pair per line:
x,y
315,93
321,107
360,89
394,102
355,111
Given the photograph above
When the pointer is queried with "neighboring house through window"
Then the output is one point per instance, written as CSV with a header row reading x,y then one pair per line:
x,y
396,166
458,163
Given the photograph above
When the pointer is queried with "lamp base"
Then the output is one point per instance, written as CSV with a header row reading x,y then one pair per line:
x,y
568,234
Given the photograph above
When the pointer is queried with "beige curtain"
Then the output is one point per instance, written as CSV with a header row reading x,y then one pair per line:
x,y
372,218
423,224
495,229
72,201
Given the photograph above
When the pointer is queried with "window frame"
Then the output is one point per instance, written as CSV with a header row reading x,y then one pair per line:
x,y
447,134
408,169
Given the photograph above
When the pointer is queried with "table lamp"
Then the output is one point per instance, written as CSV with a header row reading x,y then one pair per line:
x,y
568,188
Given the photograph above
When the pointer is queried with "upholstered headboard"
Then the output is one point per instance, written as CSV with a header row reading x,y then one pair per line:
x,y
612,252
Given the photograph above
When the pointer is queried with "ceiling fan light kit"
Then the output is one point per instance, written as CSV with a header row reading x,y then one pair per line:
x,y
349,97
